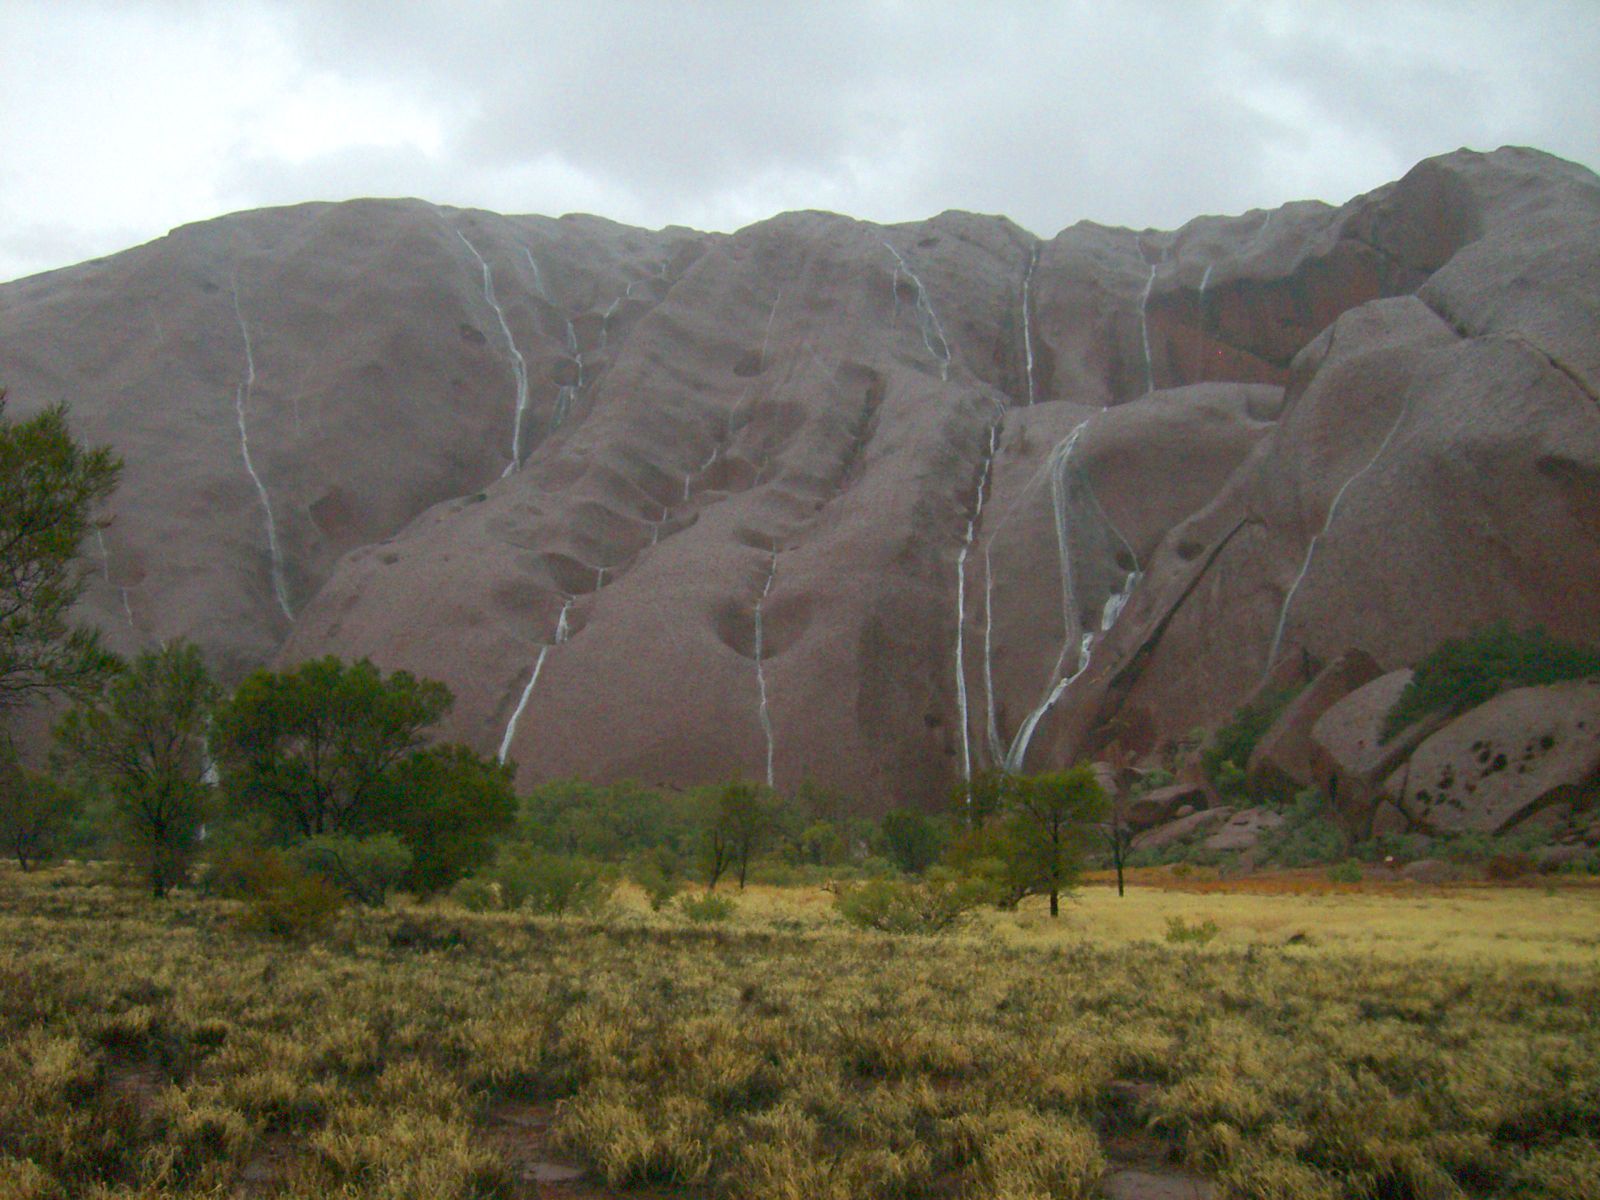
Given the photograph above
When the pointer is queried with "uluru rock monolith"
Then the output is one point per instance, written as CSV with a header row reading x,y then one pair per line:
x,y
880,505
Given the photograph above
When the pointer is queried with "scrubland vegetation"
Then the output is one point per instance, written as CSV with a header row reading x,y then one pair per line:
x,y
1430,1044
318,953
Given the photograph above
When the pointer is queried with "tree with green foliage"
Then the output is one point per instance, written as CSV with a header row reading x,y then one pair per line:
x,y
448,806
315,748
50,487
1053,817
606,821
35,812
144,740
1463,673
910,839
337,748
740,819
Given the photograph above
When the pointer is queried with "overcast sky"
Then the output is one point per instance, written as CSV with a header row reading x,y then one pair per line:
x,y
122,118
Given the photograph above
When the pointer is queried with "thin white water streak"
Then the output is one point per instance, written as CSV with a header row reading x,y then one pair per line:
x,y
538,277
767,336
961,604
761,674
927,320
1027,321
519,365
1311,548
1059,459
241,398
1144,331
105,562
527,692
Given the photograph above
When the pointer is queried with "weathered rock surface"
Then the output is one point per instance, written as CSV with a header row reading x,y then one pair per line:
x,y
1163,804
882,505
1508,762
1349,758
1244,830
1182,829
1281,761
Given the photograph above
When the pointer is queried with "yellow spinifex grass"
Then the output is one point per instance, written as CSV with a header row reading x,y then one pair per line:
x,y
1381,1044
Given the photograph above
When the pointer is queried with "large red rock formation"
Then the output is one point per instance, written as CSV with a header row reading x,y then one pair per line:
x,y
883,505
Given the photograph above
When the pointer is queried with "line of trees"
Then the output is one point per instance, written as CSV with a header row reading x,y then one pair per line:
x,y
334,763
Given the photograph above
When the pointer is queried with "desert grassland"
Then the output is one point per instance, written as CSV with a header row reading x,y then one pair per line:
x,y
158,1050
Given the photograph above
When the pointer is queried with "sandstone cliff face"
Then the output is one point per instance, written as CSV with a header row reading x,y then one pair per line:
x,y
882,505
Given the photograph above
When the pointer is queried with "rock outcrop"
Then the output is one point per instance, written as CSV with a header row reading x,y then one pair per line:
x,y
1282,760
881,505
1350,759
1530,754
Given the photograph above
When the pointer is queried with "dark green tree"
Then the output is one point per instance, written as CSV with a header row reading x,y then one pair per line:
x,y
740,820
35,812
50,487
910,839
143,740
1052,818
316,748
334,748
447,805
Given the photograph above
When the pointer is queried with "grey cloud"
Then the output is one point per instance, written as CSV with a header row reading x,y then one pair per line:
x,y
721,112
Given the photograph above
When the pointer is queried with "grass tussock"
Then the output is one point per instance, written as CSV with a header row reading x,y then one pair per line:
x,y
169,1050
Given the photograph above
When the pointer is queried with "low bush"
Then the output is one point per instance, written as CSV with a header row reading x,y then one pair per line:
x,y
658,875
476,895
1181,932
281,899
1228,753
1464,672
1308,835
1348,871
365,869
706,908
901,906
551,883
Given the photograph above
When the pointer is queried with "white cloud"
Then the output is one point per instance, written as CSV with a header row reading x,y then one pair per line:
x,y
120,120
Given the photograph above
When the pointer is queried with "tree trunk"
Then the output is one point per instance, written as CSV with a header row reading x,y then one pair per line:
x,y
1055,903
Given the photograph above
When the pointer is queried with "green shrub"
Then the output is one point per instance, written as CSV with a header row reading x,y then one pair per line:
x,y
1464,672
280,898
1198,933
901,906
657,872
1228,753
475,895
1348,871
706,908
1308,835
365,869
551,883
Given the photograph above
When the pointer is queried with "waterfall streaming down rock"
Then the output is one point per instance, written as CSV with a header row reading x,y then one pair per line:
x,y
241,400
1144,330
927,320
1327,522
527,691
105,563
761,674
1027,323
1076,635
961,605
519,365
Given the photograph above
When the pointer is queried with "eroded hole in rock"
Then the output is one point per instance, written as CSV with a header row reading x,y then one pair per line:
x,y
784,620
472,335
570,576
